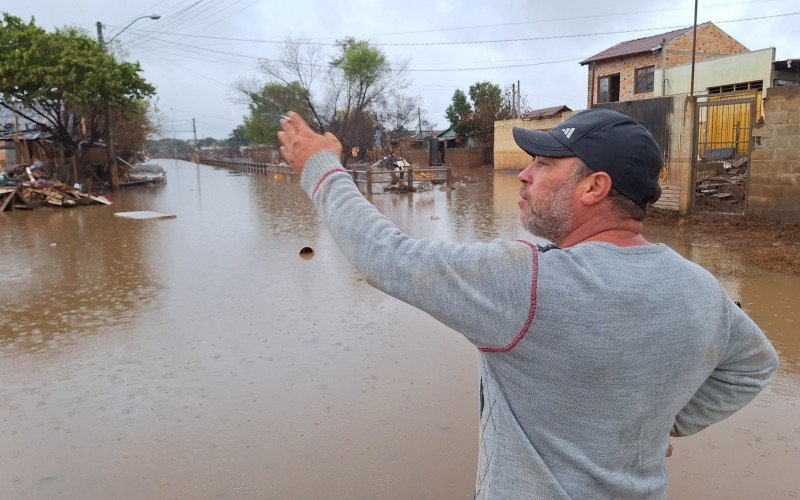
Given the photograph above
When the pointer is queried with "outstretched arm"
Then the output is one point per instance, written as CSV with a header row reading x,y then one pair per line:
x,y
484,291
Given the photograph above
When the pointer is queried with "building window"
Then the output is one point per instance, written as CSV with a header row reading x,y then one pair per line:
x,y
735,87
644,79
608,88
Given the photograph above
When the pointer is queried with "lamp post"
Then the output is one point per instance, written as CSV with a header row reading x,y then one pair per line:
x,y
112,158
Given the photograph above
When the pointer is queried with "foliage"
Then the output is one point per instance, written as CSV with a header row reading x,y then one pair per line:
x,y
341,96
267,105
459,114
237,138
47,77
475,118
166,148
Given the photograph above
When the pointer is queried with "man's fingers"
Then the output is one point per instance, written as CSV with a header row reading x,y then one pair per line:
x,y
300,125
287,126
285,153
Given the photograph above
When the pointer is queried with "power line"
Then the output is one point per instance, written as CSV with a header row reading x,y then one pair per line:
x,y
467,42
595,16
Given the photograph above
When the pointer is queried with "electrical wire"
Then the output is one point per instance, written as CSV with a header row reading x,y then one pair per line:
x,y
472,42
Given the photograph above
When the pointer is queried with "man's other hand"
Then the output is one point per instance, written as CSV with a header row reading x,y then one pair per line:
x,y
299,142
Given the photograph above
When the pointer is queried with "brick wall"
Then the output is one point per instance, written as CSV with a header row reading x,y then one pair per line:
x,y
774,188
712,42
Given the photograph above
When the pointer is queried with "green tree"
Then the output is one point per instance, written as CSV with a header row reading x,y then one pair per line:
x,y
237,137
475,117
363,75
488,107
267,105
53,78
459,114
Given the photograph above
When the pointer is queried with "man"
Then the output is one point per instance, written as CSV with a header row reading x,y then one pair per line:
x,y
592,350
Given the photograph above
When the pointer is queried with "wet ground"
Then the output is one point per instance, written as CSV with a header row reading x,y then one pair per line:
x,y
202,357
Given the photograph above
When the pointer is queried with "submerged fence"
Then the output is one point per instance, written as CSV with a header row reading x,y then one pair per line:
x,y
402,180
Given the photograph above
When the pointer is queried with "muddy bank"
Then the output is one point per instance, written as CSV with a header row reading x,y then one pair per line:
x,y
773,246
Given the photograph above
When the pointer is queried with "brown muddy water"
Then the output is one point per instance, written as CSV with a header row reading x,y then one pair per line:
x,y
202,357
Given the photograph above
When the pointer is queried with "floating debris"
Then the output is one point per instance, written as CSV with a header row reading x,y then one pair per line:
x,y
144,215
307,253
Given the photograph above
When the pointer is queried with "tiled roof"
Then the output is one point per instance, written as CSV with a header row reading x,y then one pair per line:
x,y
638,46
538,114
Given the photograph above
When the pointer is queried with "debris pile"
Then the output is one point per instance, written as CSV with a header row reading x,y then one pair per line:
x,y
25,188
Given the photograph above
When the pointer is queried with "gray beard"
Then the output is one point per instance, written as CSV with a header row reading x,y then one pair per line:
x,y
550,217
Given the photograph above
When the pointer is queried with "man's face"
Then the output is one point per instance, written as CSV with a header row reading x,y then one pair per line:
x,y
546,197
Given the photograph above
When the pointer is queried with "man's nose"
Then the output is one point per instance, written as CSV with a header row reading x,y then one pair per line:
x,y
525,176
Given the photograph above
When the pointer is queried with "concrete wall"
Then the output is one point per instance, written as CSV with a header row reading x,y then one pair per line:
x,y
464,157
774,188
738,68
506,153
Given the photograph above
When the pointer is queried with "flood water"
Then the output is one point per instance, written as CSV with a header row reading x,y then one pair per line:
x,y
202,357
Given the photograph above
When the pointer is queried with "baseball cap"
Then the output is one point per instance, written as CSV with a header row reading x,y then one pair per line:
x,y
606,141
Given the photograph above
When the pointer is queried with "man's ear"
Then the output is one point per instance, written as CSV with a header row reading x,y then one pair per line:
x,y
594,188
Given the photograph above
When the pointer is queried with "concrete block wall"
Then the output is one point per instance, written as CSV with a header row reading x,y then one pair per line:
x,y
774,186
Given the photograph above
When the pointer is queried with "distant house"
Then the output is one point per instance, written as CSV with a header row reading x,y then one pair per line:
x,y
627,71
20,139
558,112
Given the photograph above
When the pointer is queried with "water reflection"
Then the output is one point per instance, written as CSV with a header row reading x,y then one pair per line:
x,y
201,357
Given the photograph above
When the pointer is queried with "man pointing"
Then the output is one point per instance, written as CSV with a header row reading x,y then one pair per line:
x,y
594,349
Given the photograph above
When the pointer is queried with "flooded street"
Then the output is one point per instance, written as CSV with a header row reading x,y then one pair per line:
x,y
202,357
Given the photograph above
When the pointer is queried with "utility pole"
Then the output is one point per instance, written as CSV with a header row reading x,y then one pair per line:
x,y
419,118
519,100
111,155
194,131
694,47
513,101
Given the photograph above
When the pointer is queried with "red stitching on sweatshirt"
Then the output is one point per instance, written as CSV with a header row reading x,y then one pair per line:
x,y
325,177
532,310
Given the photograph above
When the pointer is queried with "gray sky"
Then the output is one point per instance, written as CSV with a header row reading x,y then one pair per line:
x,y
193,80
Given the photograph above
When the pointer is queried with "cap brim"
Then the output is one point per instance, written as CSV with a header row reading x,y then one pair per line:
x,y
539,143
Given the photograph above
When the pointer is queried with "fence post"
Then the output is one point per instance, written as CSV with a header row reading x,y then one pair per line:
x,y
448,178
368,173
410,172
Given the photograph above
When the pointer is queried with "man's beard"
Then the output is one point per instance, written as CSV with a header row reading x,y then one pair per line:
x,y
551,216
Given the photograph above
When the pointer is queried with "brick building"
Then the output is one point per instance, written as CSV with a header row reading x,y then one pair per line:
x,y
626,71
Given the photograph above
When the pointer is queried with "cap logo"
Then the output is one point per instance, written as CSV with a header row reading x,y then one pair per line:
x,y
568,132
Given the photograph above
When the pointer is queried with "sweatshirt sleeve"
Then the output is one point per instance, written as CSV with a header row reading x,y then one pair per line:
x,y
748,365
485,291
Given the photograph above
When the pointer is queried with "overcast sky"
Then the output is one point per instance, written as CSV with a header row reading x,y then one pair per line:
x,y
193,75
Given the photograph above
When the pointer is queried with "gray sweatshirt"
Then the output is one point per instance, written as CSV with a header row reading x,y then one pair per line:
x,y
589,356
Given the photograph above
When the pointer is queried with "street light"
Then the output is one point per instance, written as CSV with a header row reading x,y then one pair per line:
x,y
112,160
154,17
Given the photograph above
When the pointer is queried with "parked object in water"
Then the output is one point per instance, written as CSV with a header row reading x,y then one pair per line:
x,y
145,173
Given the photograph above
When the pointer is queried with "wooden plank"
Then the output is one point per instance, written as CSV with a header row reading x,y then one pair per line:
x,y
9,197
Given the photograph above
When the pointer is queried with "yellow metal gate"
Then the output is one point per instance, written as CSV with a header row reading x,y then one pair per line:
x,y
723,140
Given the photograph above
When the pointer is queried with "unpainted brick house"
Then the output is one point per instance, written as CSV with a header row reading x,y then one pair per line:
x,y
626,71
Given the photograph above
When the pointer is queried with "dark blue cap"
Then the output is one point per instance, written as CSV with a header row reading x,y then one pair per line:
x,y
606,141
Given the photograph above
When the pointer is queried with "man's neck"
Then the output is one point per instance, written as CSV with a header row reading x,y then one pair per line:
x,y
600,227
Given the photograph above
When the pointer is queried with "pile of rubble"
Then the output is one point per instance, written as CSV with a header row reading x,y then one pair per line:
x,y
25,188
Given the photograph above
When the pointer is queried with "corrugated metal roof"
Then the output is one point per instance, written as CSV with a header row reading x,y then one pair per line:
x,y
538,114
639,45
